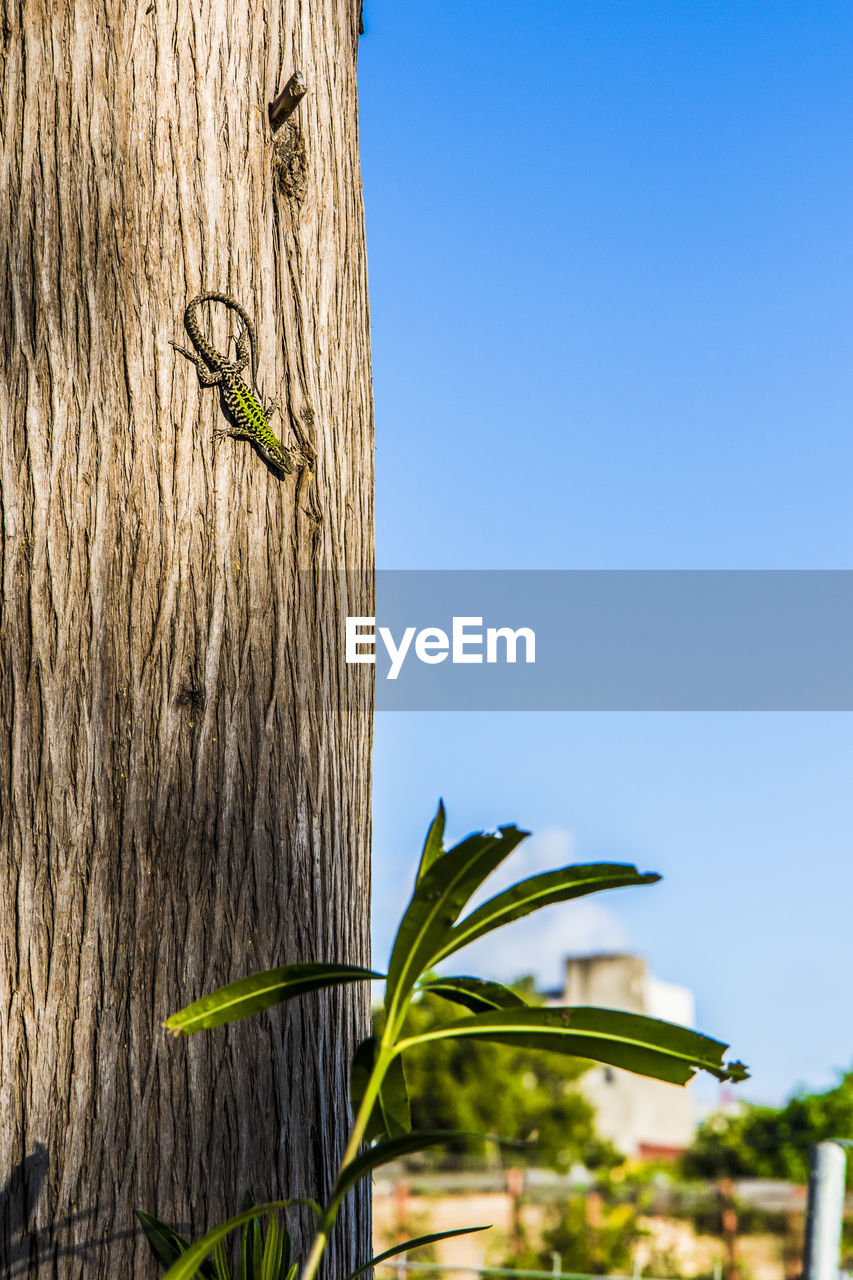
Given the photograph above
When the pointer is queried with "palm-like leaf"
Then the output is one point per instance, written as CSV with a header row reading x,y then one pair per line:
x,y
540,891
644,1045
393,1149
168,1244
261,991
192,1259
474,993
434,843
439,896
411,1244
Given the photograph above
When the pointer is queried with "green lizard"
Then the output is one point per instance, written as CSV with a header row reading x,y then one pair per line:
x,y
248,418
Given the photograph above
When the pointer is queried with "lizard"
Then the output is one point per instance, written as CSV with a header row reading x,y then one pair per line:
x,y
249,419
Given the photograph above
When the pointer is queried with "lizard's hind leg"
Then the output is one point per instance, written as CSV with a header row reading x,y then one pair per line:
x,y
239,356
273,407
241,342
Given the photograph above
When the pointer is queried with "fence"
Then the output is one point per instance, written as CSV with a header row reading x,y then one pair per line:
x,y
729,1230
433,1268
822,1216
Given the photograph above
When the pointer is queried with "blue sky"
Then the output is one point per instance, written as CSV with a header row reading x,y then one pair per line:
x,y
611,268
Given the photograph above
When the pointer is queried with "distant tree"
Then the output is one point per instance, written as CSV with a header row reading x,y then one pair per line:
x,y
771,1142
603,1246
520,1093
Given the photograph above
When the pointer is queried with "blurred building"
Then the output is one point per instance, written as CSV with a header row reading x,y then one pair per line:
x,y
645,1118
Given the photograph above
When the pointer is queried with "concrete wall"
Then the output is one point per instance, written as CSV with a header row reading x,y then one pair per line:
x,y
636,1114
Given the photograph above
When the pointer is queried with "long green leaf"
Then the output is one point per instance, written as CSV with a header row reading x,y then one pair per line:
x,y
644,1045
273,1250
247,1234
541,891
286,1253
192,1260
261,991
392,1149
439,896
220,1261
257,1248
474,994
392,1113
411,1244
434,843
167,1244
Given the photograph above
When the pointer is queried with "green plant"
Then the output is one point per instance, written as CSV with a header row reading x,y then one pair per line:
x,y
430,931
411,1224
772,1142
530,1093
604,1246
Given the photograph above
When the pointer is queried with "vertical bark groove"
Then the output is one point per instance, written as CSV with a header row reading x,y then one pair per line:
x,y
184,759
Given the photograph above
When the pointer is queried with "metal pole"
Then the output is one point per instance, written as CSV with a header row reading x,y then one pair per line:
x,y
824,1212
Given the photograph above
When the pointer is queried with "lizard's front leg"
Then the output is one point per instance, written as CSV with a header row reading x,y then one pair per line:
x,y
207,377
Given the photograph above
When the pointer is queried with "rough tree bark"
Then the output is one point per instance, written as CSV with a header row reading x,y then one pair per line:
x,y
184,757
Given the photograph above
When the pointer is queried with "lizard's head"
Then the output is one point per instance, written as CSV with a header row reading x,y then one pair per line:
x,y
275,454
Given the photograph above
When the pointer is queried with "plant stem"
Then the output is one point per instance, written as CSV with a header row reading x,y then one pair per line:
x,y
317,1249
371,1093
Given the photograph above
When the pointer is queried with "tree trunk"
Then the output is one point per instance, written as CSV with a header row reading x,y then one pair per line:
x,y
184,756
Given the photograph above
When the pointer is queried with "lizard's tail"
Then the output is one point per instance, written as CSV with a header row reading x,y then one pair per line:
x,y
191,323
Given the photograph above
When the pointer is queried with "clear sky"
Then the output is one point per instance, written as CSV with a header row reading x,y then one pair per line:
x,y
611,268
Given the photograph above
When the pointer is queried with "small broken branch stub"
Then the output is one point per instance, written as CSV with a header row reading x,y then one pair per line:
x,y
287,101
